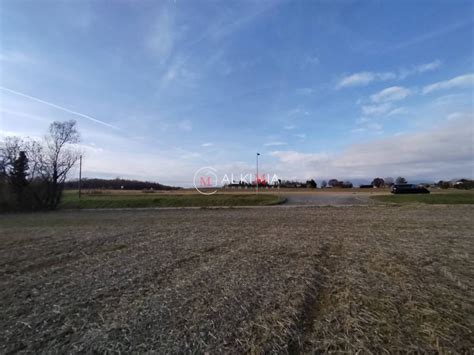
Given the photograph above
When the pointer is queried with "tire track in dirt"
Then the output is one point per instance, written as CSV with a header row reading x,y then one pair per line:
x,y
326,263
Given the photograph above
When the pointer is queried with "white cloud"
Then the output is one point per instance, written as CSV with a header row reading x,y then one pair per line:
x,y
273,144
429,66
207,144
378,109
461,81
301,135
397,111
393,93
295,158
367,124
363,79
452,99
290,127
458,116
435,34
167,168
441,152
418,69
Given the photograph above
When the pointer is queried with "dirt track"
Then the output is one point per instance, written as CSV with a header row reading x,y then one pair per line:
x,y
238,280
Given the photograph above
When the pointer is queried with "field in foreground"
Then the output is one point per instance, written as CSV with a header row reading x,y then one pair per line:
x,y
134,199
378,278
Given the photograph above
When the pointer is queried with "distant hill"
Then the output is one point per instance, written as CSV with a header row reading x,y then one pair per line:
x,y
117,184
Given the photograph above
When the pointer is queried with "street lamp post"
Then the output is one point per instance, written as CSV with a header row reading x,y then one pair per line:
x,y
80,176
256,180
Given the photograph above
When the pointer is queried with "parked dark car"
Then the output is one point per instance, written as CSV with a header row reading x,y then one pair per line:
x,y
409,189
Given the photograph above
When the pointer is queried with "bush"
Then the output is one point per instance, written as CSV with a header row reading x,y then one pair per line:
x,y
444,184
464,184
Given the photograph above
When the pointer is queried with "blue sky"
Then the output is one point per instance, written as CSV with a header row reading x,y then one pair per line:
x,y
322,89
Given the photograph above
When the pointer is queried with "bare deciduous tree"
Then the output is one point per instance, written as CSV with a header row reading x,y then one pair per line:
x,y
10,148
57,157
49,161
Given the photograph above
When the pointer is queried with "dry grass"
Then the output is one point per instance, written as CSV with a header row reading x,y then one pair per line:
x,y
370,279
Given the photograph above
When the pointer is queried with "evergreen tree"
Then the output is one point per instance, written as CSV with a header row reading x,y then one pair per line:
x,y
400,180
18,175
378,182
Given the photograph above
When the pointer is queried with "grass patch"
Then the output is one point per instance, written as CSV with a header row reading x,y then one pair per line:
x,y
172,200
433,199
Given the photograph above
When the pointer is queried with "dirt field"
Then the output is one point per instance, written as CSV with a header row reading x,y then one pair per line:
x,y
367,278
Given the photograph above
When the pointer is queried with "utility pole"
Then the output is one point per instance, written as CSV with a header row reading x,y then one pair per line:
x,y
80,175
256,180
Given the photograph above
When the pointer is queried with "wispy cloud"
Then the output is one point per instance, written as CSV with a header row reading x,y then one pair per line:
x,y
161,38
429,66
418,69
367,124
90,118
438,32
461,81
368,77
274,144
393,93
178,72
378,109
363,79
207,144
397,111
227,25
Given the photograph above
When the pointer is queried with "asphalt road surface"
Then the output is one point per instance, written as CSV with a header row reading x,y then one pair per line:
x,y
324,199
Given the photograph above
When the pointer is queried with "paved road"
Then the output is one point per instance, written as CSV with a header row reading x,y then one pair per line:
x,y
324,199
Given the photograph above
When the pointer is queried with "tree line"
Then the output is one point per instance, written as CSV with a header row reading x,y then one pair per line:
x,y
116,184
33,172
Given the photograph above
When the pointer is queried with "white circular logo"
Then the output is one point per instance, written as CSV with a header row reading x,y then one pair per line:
x,y
206,179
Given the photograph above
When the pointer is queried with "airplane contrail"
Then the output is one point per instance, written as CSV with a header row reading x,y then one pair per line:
x,y
59,107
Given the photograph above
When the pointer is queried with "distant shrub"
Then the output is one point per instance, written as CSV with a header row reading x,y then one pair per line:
x,y
464,184
444,184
